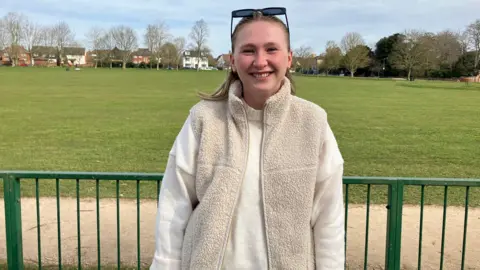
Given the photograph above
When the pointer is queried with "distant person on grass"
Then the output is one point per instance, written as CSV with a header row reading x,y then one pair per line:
x,y
254,178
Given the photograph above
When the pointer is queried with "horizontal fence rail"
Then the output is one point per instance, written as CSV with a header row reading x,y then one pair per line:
x,y
390,189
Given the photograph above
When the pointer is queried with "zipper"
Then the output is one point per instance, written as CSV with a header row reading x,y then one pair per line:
x,y
263,184
229,229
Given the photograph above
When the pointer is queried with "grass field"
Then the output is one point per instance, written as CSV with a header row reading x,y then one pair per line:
x,y
119,121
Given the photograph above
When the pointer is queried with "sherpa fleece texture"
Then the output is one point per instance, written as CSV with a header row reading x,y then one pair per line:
x,y
300,174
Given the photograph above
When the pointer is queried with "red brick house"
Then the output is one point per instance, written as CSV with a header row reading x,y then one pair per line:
x,y
141,55
15,54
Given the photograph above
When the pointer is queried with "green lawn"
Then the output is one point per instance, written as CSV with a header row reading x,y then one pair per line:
x,y
126,121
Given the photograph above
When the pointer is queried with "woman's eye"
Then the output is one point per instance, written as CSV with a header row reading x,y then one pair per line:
x,y
271,49
248,51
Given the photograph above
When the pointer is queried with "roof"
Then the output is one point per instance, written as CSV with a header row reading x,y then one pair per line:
x,y
51,50
43,50
142,52
74,50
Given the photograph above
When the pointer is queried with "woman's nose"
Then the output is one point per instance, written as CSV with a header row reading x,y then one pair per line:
x,y
260,60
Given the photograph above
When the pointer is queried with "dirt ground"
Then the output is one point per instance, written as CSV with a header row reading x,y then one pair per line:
x,y
431,245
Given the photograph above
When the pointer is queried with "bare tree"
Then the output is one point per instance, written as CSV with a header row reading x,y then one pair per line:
x,y
350,41
155,37
47,36
3,35
333,56
63,37
303,56
473,31
94,39
31,36
463,39
430,58
126,41
199,36
356,53
13,27
169,54
46,39
106,45
449,48
180,44
409,52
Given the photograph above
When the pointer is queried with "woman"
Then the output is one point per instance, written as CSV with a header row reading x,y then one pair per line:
x,y
254,178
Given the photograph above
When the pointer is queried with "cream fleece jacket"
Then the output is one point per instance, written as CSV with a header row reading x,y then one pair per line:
x,y
247,242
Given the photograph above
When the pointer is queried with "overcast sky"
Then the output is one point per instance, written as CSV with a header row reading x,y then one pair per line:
x,y
312,22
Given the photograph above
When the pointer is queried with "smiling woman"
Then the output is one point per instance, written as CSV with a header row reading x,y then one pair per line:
x,y
254,178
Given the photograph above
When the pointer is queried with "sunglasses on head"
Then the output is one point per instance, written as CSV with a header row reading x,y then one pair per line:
x,y
248,13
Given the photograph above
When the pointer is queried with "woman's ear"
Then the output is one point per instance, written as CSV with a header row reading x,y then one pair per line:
x,y
290,57
232,62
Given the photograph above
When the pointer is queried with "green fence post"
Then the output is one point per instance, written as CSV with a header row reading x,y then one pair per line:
x,y
394,226
13,222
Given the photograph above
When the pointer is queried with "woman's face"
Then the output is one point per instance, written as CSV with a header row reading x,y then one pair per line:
x,y
261,57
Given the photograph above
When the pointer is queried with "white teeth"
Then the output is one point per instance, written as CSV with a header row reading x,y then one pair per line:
x,y
261,75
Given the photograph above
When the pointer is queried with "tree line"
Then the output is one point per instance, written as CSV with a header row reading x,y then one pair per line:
x,y
414,52
17,30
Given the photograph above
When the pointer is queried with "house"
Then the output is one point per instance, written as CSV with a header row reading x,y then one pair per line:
x,y
191,59
12,53
75,55
141,55
44,56
47,55
223,61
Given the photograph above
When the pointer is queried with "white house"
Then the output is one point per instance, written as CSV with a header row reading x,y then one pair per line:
x,y
190,59
75,55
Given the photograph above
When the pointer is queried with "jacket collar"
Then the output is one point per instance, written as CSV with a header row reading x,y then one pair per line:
x,y
275,109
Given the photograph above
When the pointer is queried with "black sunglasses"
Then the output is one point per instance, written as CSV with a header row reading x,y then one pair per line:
x,y
247,13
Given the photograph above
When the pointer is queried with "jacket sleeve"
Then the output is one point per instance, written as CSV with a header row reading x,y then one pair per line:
x,y
328,209
177,200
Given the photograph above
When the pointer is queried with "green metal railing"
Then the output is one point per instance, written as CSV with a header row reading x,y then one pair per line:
x,y
395,201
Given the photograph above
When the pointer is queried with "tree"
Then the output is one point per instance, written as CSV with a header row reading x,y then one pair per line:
x,y
449,48
179,43
12,23
31,36
356,58
350,41
155,37
383,50
199,36
473,31
303,56
429,58
465,65
356,53
63,37
409,53
107,44
94,38
47,36
126,41
169,54
333,57
3,35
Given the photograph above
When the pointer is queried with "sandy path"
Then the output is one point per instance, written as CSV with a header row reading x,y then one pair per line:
x,y
355,249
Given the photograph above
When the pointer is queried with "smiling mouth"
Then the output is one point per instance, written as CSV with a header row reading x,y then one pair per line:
x,y
260,75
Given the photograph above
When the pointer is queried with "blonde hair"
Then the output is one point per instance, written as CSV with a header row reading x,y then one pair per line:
x,y
222,91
